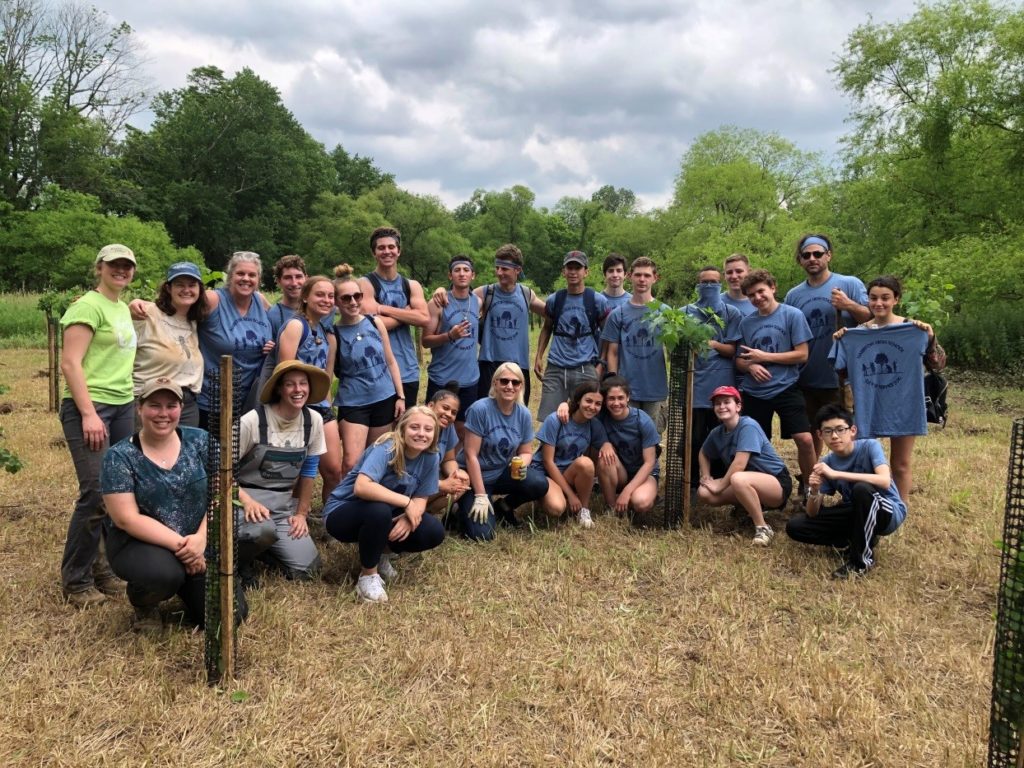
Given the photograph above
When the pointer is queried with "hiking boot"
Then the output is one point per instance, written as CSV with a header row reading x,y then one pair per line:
x,y
762,536
110,585
848,569
386,570
586,521
370,589
85,598
505,515
147,621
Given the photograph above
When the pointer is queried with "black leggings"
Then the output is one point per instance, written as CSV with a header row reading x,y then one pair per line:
x,y
855,525
155,574
370,522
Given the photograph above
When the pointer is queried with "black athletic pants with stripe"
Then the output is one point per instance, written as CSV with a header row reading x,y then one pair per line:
x,y
852,525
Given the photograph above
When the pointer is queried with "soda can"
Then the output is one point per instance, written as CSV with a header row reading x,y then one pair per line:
x,y
518,468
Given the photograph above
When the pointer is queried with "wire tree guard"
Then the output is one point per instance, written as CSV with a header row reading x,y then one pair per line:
x,y
222,524
676,457
1006,734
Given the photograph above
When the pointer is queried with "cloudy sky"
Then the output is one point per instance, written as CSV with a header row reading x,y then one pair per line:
x,y
563,96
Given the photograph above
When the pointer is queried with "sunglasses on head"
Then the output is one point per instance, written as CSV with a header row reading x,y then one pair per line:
x,y
510,382
347,297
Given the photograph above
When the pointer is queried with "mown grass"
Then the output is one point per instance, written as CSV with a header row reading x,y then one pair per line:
x,y
22,323
553,647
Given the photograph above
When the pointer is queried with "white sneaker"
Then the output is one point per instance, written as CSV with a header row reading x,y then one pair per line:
x,y
762,536
585,519
386,569
370,589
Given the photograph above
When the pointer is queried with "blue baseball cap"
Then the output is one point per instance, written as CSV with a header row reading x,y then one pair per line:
x,y
183,269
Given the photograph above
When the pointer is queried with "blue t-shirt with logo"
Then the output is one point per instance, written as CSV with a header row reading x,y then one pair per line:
x,y
641,356
456,360
392,294
780,331
711,370
570,440
500,435
578,347
867,454
226,332
611,304
748,437
743,305
630,436
815,301
506,337
885,369
363,375
419,479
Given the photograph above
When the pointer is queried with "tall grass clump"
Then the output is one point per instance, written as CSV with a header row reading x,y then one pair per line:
x,y
22,323
988,340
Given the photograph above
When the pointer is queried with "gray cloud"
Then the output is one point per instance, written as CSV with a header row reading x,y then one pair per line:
x,y
563,96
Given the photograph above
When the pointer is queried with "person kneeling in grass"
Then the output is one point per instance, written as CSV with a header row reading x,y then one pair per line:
x,y
453,481
755,476
563,448
871,505
381,503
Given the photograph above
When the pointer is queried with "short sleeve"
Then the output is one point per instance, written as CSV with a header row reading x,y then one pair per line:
x,y
838,355
117,474
747,438
598,434
82,313
612,326
248,426
732,333
428,479
648,432
475,418
800,331
375,462
317,444
876,454
548,432
525,425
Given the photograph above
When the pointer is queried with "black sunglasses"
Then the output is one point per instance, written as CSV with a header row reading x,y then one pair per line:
x,y
510,382
346,297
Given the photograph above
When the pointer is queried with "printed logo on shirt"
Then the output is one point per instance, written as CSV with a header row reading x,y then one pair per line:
x,y
574,322
365,353
253,338
821,319
499,445
503,317
879,364
640,343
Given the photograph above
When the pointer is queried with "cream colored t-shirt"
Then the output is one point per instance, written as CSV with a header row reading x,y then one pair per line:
x,y
280,432
168,346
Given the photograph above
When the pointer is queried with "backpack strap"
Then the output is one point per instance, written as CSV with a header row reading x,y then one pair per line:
x,y
378,287
261,415
307,425
485,307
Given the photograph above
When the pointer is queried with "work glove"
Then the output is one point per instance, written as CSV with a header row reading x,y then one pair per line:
x,y
481,508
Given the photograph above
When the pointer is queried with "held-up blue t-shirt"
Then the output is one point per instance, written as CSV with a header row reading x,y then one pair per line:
x,y
419,479
743,305
630,436
867,454
456,360
226,332
884,367
641,356
780,331
712,370
506,337
570,440
363,375
747,437
816,304
392,294
578,347
500,435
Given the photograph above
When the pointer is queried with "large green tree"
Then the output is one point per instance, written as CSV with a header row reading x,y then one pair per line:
x,y
226,166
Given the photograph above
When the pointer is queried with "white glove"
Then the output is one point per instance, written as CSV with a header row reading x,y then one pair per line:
x,y
481,508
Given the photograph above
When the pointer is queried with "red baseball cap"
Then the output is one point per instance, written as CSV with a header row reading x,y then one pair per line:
x,y
726,392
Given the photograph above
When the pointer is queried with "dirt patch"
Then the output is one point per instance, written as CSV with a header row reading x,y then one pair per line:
x,y
6,408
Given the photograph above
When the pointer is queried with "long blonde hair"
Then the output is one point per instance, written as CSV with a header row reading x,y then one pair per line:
x,y
397,436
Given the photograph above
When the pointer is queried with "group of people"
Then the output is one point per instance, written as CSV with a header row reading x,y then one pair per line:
x,y
138,381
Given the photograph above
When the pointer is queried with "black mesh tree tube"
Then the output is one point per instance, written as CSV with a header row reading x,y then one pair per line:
x,y
222,523
1005,733
674,459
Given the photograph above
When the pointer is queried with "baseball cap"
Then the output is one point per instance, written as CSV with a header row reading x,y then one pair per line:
x,y
183,269
578,257
160,383
115,251
726,392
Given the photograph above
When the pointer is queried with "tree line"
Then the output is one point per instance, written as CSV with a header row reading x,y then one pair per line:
x,y
926,186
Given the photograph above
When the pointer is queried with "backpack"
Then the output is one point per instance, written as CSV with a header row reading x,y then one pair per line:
x,y
485,306
378,287
589,305
935,389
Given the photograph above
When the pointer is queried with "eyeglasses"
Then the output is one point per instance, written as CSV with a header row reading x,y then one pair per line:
x,y
514,383
347,297
837,431
808,255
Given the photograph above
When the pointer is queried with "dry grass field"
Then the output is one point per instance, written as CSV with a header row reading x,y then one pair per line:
x,y
546,647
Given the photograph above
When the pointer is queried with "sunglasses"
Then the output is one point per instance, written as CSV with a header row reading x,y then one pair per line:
x,y
514,383
808,255
347,297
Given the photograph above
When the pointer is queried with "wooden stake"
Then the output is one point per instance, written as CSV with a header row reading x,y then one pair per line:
x,y
227,522
688,438
54,368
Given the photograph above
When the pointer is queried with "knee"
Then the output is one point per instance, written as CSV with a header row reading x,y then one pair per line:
x,y
155,586
863,491
479,531
331,475
294,572
534,485
804,441
796,527
262,534
586,464
642,505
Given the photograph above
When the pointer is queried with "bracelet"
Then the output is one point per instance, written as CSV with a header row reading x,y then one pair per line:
x,y
399,397
813,494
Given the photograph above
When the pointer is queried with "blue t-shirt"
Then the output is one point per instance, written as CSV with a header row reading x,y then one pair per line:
x,y
780,331
456,360
641,356
363,375
816,304
867,454
884,367
226,332
748,437
630,436
175,496
711,370
448,439
419,479
611,304
570,440
506,338
500,435
743,305
578,347
392,294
